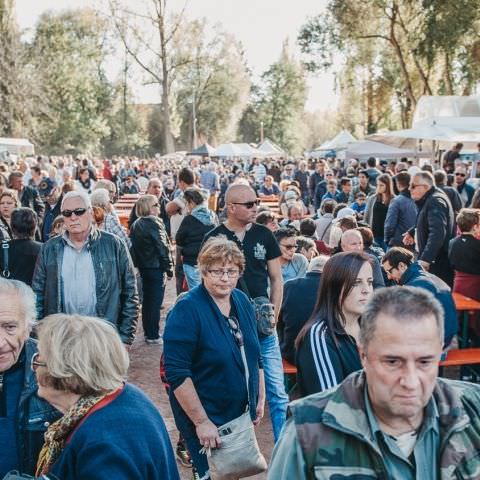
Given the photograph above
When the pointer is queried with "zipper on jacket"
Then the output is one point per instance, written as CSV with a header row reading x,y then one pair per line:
x,y
1,383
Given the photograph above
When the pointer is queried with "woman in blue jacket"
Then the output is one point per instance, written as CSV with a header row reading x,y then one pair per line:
x,y
203,360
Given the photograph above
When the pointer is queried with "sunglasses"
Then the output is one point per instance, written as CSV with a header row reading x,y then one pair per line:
x,y
35,364
248,205
460,175
235,329
78,212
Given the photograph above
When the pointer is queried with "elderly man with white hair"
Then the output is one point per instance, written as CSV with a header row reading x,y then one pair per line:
x,y
24,417
87,271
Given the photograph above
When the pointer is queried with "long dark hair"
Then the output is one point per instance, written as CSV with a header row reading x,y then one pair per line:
x,y
338,278
389,194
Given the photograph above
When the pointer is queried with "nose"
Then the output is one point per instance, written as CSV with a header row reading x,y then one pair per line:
x,y
409,379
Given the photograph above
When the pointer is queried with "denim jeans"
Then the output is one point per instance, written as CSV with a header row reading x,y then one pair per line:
x,y
192,275
276,396
153,282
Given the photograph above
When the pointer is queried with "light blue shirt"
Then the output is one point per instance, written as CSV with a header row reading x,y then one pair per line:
x,y
78,280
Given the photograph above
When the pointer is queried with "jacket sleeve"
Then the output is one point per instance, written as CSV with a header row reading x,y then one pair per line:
x,y
163,247
38,205
127,320
181,234
378,280
437,230
318,362
391,220
368,215
38,283
287,460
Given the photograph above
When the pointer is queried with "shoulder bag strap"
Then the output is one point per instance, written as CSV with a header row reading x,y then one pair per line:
x,y
325,230
5,271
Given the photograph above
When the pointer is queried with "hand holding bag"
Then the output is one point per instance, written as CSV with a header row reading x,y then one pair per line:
x,y
239,455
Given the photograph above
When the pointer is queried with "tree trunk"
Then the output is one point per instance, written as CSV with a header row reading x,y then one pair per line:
x,y
371,126
448,75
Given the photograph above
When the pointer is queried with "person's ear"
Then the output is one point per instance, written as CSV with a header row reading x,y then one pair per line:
x,y
363,354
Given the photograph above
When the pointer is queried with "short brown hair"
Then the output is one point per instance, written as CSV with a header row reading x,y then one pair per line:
x,y
220,250
11,194
467,219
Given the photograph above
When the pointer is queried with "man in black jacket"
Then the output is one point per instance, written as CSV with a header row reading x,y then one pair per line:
x,y
28,196
295,313
435,226
24,417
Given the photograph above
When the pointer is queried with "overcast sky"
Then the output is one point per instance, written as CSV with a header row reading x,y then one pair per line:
x,y
261,25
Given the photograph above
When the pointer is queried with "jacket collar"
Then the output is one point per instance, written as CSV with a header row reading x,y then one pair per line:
x,y
413,271
346,410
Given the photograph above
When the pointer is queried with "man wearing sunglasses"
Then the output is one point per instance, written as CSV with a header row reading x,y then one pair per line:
x,y
87,271
262,278
24,417
465,190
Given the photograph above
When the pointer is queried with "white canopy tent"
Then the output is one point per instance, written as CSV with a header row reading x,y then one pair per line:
x,y
364,149
17,146
269,149
230,150
341,140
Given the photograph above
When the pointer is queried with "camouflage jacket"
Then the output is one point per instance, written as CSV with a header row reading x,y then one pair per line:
x,y
328,436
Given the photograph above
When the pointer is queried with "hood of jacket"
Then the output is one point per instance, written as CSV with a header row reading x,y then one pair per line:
x,y
204,215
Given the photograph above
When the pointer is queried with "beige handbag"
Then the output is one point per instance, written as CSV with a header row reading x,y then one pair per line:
x,y
239,455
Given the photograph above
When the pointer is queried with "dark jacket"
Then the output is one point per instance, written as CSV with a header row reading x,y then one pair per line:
x,y
163,200
401,217
435,228
124,440
190,236
293,313
116,287
453,196
323,362
469,190
415,276
198,344
150,244
22,255
34,415
29,197
50,215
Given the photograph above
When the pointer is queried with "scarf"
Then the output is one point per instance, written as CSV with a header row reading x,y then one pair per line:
x,y
58,432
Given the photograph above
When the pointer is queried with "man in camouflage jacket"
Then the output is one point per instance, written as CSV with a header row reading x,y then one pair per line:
x,y
330,434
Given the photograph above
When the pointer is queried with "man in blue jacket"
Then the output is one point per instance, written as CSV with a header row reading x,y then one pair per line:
x,y
399,264
401,214
24,417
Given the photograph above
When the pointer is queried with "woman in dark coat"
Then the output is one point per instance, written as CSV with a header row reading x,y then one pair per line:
x,y
151,255
203,361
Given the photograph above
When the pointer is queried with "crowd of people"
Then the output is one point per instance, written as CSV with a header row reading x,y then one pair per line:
x,y
344,269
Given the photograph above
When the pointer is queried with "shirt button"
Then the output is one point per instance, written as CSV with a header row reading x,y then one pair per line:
x,y
46,424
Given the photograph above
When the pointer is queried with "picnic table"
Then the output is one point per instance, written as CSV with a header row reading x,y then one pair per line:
x,y
466,306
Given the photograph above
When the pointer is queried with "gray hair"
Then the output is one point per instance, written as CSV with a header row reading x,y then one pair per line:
x,y
427,177
83,354
77,194
405,304
26,299
100,197
317,263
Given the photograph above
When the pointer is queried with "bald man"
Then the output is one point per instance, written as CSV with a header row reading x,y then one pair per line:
x,y
352,241
262,266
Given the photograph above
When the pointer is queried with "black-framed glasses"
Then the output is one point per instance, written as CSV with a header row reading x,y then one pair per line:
x,y
389,270
35,363
231,273
78,212
248,205
235,329
458,174
413,187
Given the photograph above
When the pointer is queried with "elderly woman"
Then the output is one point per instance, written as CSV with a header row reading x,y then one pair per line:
x,y
109,429
100,198
151,255
202,351
8,202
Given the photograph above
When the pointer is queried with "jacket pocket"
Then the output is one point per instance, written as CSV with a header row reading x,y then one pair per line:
x,y
344,473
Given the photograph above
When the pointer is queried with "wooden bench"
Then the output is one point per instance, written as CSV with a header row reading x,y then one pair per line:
x,y
466,306
461,357
289,375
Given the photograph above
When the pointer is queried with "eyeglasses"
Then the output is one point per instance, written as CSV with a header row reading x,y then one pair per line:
x,y
35,364
235,329
413,187
288,247
78,212
248,205
231,273
389,270
460,174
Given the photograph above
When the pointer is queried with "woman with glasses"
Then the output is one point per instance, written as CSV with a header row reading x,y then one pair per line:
x,y
293,264
203,336
327,344
109,428
152,256
193,228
